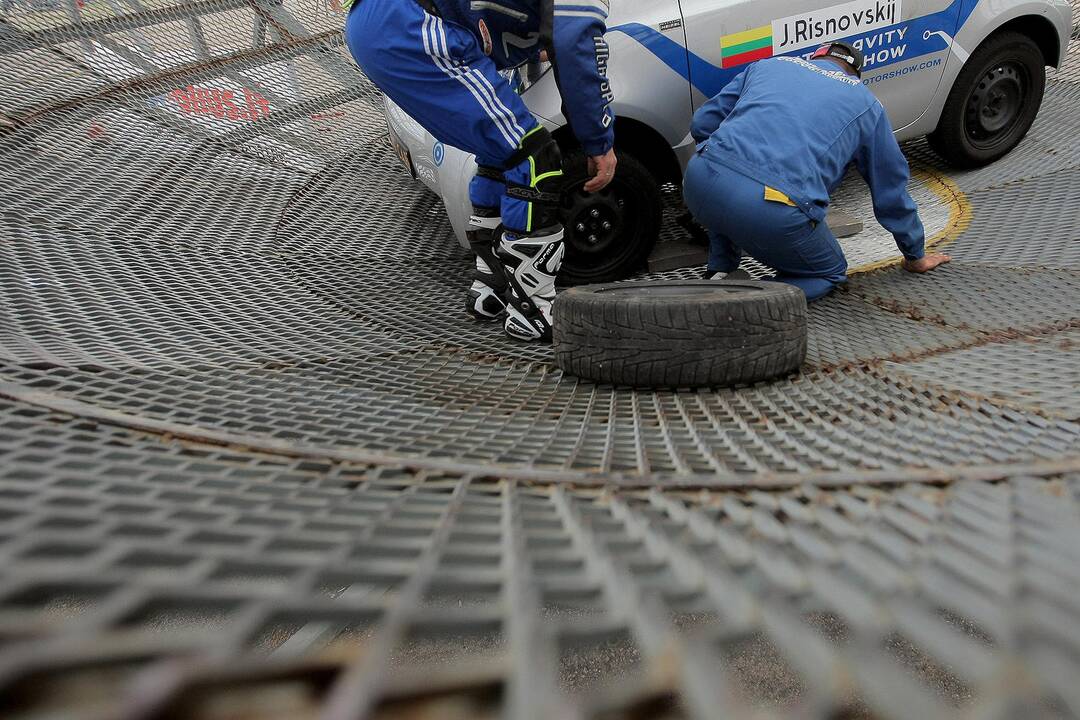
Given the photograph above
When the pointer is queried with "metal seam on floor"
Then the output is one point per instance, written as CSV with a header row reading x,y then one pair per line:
x,y
762,481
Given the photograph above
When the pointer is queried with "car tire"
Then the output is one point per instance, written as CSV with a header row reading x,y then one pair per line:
x,y
680,334
609,234
993,102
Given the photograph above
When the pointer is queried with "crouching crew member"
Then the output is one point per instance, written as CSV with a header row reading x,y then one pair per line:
x,y
773,145
439,60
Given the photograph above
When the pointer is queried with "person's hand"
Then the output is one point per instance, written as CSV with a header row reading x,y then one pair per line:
x,y
926,263
601,170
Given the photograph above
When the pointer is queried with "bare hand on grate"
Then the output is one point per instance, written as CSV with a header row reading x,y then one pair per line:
x,y
926,263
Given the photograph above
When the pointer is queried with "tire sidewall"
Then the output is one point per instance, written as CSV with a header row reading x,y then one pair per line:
x,y
951,140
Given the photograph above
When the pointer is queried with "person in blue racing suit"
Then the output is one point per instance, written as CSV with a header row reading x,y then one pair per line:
x,y
439,60
773,145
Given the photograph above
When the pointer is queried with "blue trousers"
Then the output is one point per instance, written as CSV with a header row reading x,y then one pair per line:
x,y
438,74
738,217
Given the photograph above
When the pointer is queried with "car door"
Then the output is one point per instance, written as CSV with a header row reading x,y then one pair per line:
x,y
906,42
647,69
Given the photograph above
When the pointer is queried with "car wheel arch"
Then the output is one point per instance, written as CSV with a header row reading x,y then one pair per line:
x,y
1038,28
1041,31
640,140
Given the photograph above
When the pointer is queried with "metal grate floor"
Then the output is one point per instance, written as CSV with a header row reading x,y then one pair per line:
x,y
256,463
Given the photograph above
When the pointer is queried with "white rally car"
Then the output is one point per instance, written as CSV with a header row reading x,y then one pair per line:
x,y
968,73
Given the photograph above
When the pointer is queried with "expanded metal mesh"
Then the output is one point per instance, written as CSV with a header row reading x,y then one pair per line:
x,y
256,462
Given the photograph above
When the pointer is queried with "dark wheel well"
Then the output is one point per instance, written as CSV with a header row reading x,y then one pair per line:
x,y
1042,33
638,139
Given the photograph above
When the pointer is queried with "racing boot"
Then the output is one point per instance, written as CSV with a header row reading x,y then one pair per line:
x,y
484,300
531,264
531,248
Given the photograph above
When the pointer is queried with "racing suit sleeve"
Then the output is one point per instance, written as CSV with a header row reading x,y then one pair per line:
x,y
886,171
709,116
581,62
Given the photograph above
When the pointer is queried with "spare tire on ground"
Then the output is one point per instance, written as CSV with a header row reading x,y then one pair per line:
x,y
680,334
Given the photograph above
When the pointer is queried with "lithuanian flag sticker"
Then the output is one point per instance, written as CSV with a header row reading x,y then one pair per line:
x,y
746,46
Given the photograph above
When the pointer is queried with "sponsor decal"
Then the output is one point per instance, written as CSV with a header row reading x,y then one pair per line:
x,y
438,153
833,23
832,74
807,30
906,70
546,255
910,39
224,104
747,46
882,48
603,55
670,24
901,42
485,35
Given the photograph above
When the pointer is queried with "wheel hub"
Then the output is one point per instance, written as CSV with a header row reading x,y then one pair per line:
x,y
995,105
593,220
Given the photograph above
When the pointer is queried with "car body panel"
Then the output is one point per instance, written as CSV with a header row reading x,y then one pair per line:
x,y
669,56
899,33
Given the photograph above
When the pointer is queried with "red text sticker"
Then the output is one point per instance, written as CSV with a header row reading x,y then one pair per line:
x,y
223,104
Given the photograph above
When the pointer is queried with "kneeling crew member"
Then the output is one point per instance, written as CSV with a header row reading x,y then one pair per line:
x,y
439,60
773,144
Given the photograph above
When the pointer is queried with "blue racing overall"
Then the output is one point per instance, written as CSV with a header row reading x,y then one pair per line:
x,y
440,61
772,146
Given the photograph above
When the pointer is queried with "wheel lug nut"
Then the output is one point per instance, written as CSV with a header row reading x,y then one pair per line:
x,y
606,226
580,227
594,213
592,238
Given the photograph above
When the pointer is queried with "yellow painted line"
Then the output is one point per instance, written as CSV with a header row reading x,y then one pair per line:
x,y
960,216
746,36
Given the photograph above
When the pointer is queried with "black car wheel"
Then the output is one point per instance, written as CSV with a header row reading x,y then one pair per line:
x,y
609,234
993,103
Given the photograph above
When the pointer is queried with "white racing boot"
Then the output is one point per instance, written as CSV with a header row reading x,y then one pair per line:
x,y
484,300
531,264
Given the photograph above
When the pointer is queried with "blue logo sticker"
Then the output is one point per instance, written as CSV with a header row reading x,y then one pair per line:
x,y
438,152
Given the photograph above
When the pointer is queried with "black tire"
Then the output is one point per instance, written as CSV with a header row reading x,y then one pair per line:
x,y
680,334
630,205
992,103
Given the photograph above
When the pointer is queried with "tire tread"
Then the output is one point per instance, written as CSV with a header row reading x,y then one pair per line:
x,y
646,341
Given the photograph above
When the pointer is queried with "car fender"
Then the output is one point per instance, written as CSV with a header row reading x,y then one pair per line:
x,y
645,90
985,20
988,17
